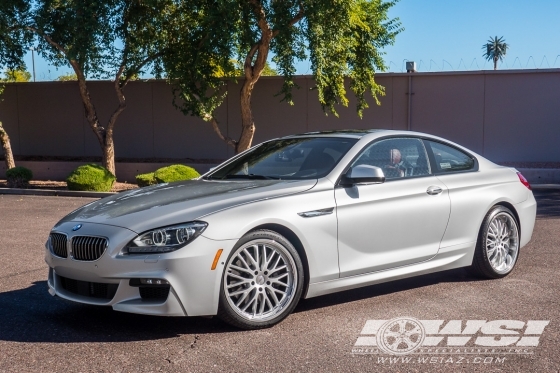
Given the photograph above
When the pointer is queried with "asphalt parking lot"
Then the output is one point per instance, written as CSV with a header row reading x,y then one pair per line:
x,y
39,333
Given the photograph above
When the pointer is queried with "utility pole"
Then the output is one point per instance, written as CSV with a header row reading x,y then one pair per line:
x,y
32,49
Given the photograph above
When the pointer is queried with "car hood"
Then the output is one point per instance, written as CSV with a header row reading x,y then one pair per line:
x,y
172,203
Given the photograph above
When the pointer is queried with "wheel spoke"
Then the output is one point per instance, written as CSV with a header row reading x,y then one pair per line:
x,y
273,295
263,303
235,284
277,269
279,291
239,292
270,306
241,269
249,302
253,262
241,299
276,280
255,304
491,251
236,276
277,261
257,261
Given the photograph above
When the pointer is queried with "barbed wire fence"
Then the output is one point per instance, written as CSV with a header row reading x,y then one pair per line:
x,y
475,65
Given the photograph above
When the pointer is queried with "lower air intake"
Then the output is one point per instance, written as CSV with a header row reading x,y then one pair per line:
x,y
148,292
89,289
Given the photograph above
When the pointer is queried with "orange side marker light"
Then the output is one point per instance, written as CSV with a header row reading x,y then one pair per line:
x,y
216,259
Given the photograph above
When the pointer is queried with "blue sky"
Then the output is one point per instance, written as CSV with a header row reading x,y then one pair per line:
x,y
453,30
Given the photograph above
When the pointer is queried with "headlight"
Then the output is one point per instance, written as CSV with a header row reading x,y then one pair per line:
x,y
166,239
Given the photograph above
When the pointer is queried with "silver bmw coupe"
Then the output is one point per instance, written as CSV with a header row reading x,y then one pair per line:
x,y
291,218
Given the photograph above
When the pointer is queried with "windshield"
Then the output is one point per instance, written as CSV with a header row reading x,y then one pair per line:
x,y
293,159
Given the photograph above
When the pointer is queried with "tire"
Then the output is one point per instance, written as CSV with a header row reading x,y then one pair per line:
x,y
497,246
259,296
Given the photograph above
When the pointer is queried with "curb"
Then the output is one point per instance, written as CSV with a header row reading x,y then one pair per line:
x,y
545,186
56,193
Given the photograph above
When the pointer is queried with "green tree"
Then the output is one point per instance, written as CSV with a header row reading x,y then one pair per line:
x,y
68,77
17,75
115,39
14,42
342,38
495,49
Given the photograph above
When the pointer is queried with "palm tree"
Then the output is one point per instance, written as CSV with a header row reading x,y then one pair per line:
x,y
496,49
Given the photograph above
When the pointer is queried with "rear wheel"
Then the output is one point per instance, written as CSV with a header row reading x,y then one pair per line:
x,y
497,248
262,281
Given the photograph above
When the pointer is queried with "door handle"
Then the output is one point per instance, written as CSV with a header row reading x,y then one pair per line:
x,y
434,190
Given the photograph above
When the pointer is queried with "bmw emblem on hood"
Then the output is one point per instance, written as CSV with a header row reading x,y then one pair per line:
x,y
76,227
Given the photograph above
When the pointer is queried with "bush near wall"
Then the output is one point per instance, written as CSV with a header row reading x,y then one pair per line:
x,y
18,177
146,179
91,177
176,172
169,174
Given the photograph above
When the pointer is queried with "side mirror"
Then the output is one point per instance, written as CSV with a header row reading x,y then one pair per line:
x,y
363,174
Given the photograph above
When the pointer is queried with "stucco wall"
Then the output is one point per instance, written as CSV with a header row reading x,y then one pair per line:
x,y
509,116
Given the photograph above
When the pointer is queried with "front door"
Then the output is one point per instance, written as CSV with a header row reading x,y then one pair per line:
x,y
396,223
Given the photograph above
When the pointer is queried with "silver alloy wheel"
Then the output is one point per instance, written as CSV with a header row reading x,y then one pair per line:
x,y
502,242
260,280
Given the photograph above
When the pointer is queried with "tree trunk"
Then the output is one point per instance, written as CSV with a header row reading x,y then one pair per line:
x,y
495,64
247,122
5,140
104,136
108,159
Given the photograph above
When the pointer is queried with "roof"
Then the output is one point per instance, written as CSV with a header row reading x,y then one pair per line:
x,y
336,133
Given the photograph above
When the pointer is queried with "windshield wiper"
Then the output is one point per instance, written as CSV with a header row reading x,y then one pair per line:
x,y
252,177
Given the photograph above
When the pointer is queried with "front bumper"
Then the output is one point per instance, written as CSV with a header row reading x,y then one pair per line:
x,y
194,286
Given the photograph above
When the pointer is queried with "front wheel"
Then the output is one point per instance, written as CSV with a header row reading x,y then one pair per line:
x,y
262,281
497,248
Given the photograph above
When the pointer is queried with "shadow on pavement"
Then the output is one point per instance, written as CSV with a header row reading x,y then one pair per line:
x,y
454,275
32,315
548,203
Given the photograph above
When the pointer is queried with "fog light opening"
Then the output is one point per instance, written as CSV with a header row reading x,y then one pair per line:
x,y
155,282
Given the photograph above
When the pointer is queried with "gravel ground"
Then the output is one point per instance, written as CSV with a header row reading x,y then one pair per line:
x,y
44,334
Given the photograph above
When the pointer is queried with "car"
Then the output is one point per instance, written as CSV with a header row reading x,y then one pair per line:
x,y
292,218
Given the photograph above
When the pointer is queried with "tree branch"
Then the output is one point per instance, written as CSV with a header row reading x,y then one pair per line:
x,y
137,68
298,17
253,71
48,39
228,140
261,16
91,113
248,66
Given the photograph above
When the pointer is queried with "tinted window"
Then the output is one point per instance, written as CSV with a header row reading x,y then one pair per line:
x,y
449,159
297,158
398,158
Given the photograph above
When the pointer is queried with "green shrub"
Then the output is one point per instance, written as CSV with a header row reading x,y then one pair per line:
x,y
145,179
91,177
175,172
18,177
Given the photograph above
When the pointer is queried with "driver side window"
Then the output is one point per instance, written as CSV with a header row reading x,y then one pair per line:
x,y
398,158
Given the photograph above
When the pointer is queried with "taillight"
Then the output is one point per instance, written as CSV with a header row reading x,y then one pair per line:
x,y
523,180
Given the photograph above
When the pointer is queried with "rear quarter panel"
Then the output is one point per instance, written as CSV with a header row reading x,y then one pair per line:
x,y
472,194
